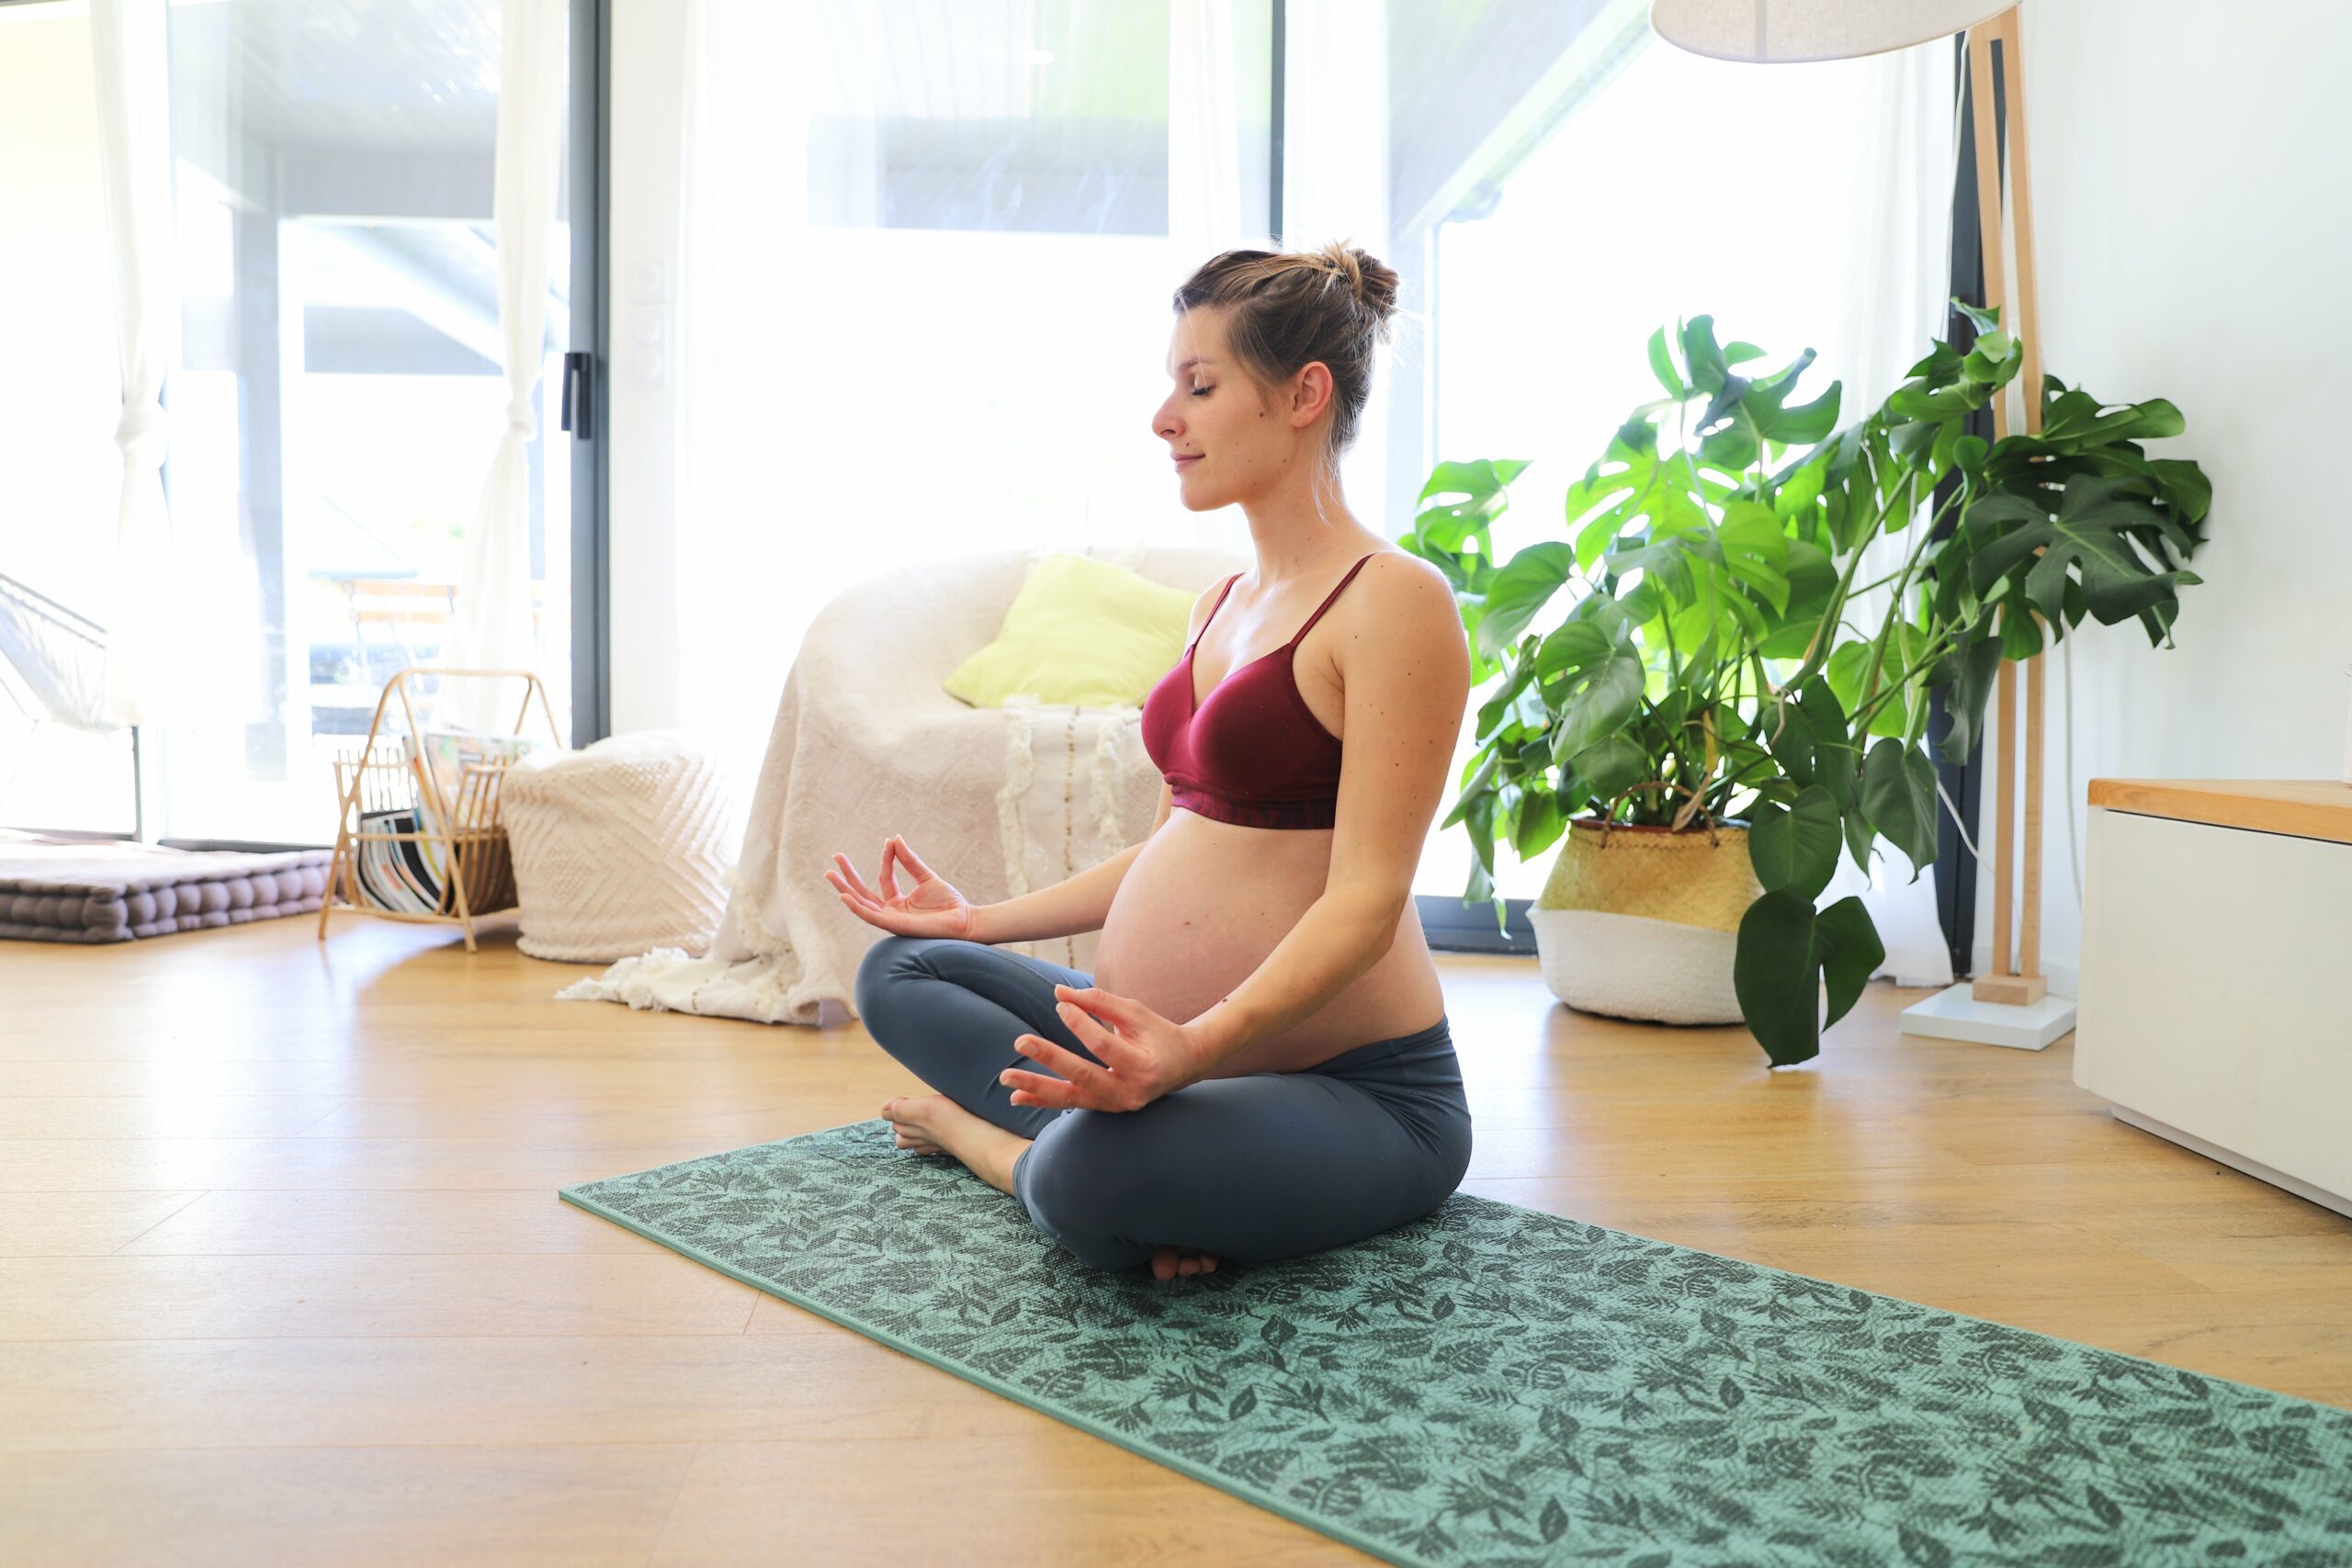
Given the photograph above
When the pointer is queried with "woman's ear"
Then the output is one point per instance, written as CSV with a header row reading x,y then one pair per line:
x,y
1310,394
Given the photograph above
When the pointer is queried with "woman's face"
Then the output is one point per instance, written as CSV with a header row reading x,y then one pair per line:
x,y
1227,443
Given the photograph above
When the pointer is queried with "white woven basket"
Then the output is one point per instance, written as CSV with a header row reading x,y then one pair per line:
x,y
1626,967
1640,923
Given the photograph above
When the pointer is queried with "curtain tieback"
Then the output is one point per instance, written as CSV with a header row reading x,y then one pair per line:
x,y
142,432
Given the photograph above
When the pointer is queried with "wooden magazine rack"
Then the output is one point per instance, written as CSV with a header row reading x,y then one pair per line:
x,y
392,770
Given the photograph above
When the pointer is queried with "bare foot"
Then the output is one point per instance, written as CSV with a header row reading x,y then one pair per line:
x,y
1166,1262
932,1123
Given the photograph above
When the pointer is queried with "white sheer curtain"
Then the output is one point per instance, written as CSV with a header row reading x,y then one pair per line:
x,y
492,628
745,389
1335,186
1205,178
1899,164
127,44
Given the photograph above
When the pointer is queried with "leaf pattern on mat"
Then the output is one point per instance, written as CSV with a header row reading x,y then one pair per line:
x,y
1494,1386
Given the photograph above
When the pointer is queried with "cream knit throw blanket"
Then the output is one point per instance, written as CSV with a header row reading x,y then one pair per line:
x,y
867,743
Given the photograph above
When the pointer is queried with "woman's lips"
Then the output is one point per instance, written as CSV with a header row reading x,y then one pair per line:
x,y
1184,462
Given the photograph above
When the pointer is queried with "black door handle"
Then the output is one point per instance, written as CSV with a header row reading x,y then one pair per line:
x,y
578,397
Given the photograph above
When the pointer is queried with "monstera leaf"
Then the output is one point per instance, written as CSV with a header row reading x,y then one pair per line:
x,y
2104,528
1787,949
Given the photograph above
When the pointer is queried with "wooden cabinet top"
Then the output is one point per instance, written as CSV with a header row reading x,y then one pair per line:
x,y
2308,809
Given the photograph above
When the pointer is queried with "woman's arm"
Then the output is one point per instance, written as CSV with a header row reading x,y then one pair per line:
x,y
1338,938
1075,903
1405,671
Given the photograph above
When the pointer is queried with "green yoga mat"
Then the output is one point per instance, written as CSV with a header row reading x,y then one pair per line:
x,y
1493,1386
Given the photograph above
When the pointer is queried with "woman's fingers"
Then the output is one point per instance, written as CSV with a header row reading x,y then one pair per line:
x,y
850,872
867,910
1054,1094
887,882
1072,1066
1119,1010
854,897
851,902
1100,1038
911,861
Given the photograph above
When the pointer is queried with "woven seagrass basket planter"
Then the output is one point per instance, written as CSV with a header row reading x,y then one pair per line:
x,y
1642,923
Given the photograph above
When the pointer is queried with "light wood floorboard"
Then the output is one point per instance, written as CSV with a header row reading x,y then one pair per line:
x,y
283,1274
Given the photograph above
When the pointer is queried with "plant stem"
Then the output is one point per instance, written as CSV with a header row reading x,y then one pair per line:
x,y
1937,647
1895,611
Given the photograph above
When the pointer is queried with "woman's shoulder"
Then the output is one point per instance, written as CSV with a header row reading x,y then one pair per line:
x,y
1398,583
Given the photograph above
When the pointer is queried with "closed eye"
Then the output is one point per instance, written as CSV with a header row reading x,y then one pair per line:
x,y
1202,391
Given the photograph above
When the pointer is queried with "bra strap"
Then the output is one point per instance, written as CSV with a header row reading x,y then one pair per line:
x,y
1327,600
1213,610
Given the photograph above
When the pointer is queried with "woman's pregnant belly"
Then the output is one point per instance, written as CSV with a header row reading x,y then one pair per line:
x,y
1206,901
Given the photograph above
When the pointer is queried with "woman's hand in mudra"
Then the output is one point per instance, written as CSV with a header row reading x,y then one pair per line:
x,y
1144,1055
931,907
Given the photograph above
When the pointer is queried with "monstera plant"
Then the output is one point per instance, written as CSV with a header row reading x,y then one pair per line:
x,y
1708,667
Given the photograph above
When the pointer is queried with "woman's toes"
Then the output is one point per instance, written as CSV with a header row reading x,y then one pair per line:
x,y
1170,1262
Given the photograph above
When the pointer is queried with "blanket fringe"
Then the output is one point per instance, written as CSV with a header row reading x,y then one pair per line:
x,y
1110,825
1019,767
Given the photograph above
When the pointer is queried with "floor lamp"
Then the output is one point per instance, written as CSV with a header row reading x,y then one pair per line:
x,y
2012,1005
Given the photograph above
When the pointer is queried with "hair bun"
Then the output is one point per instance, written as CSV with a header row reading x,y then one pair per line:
x,y
1371,280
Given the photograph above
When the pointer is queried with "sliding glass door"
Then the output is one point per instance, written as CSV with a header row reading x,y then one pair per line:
x,y
341,393
334,401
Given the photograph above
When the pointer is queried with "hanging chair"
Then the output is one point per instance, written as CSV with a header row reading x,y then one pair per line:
x,y
56,654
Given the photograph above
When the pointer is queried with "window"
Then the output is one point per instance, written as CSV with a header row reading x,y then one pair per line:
x,y
931,246
1552,275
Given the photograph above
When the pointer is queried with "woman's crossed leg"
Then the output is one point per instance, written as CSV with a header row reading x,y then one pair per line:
x,y
1257,1168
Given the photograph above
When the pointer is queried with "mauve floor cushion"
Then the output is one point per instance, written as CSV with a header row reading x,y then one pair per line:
x,y
80,890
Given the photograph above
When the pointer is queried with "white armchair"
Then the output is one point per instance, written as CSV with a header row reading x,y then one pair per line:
x,y
867,743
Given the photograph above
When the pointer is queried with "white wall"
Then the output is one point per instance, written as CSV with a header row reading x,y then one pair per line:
x,y
2194,242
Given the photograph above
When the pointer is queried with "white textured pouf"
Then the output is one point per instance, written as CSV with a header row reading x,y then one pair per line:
x,y
619,847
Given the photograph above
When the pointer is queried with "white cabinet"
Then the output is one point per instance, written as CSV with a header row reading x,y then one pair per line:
x,y
2216,983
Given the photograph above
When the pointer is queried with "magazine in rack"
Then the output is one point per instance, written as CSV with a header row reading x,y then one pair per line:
x,y
408,876
449,753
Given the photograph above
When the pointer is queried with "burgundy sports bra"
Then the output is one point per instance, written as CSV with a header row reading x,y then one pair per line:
x,y
1252,752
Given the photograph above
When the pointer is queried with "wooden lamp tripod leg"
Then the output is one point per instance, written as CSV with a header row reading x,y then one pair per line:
x,y
2023,983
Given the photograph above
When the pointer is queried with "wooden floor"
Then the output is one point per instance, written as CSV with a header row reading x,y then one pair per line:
x,y
284,1277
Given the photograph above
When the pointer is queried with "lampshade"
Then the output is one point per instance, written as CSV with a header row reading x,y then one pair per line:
x,y
1774,31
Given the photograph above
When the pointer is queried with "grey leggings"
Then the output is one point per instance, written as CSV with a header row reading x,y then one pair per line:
x,y
1252,1169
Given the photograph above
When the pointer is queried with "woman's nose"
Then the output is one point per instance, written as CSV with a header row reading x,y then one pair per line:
x,y
1164,422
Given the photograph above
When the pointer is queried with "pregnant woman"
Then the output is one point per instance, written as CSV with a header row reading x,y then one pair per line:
x,y
1259,1065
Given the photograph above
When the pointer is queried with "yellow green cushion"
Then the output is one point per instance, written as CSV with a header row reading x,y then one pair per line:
x,y
1080,631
